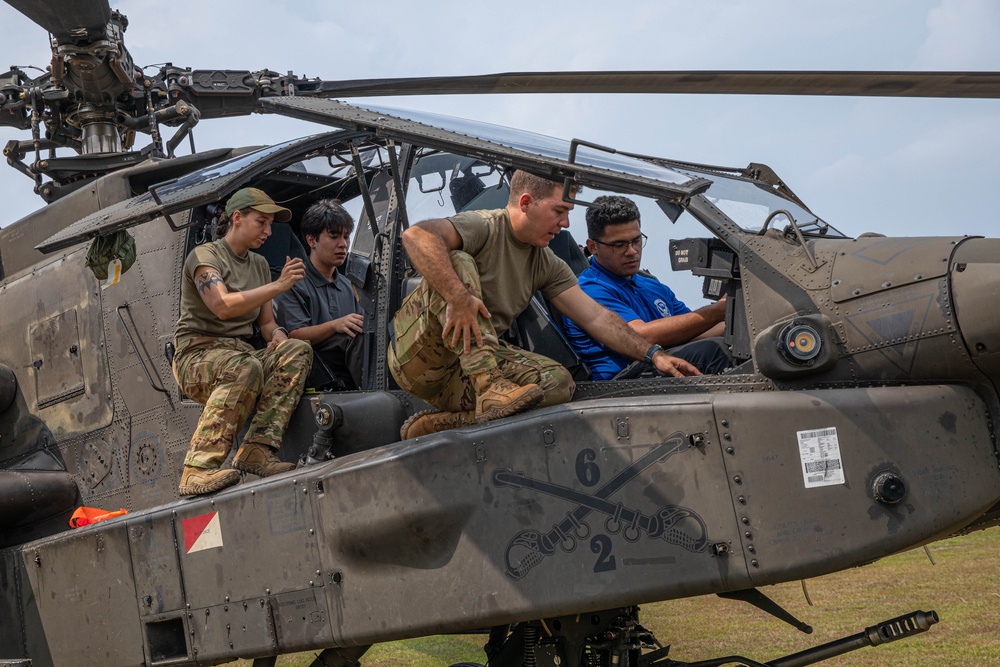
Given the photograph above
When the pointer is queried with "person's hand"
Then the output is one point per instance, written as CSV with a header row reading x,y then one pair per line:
x,y
293,271
673,366
348,324
461,321
277,336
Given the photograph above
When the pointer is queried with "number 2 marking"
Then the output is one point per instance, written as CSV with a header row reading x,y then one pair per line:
x,y
601,545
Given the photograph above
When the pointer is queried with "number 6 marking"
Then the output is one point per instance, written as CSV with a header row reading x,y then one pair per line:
x,y
587,471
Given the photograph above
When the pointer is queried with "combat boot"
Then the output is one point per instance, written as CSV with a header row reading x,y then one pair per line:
x,y
259,460
432,421
196,481
497,397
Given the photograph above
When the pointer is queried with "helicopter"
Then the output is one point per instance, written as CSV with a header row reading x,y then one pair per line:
x,y
857,424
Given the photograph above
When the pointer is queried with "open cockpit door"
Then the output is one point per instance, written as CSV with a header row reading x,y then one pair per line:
x,y
591,166
201,187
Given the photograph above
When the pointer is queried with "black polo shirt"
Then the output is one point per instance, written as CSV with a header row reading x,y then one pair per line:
x,y
315,300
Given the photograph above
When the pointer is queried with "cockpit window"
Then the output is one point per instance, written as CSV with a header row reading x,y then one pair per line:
x,y
338,163
224,169
749,204
443,184
538,144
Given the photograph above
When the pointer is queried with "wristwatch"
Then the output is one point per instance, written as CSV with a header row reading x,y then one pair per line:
x,y
282,330
649,354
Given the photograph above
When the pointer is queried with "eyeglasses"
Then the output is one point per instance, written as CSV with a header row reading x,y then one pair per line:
x,y
621,247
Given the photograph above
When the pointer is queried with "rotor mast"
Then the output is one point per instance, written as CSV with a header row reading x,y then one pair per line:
x,y
96,74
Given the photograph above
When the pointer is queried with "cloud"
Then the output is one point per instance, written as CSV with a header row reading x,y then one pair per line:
x,y
846,172
962,35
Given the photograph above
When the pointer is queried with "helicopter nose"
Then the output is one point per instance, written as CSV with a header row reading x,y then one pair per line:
x,y
975,287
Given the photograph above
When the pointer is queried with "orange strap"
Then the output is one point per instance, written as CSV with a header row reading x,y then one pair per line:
x,y
84,516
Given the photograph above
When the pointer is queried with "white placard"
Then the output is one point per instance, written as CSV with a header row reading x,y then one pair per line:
x,y
819,451
114,273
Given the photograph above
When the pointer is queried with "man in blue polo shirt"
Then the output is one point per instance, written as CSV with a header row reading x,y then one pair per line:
x,y
647,305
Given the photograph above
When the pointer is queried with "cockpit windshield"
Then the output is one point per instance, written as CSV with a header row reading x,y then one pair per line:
x,y
750,205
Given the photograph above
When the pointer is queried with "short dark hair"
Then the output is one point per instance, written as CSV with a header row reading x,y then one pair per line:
x,y
609,210
538,187
326,214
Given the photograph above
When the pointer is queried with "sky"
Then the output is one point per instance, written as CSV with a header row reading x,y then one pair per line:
x,y
902,167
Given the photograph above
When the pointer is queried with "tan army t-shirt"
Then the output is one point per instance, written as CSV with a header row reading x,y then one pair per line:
x,y
239,275
510,272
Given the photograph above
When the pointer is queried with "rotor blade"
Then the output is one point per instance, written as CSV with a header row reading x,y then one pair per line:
x,y
73,21
860,84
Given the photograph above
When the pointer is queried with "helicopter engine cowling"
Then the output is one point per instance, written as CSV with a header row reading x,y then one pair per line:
x,y
975,292
8,387
975,285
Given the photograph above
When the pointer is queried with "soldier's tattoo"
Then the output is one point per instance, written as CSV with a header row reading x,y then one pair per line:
x,y
206,279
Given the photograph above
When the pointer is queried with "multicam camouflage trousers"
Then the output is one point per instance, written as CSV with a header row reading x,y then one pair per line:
x,y
438,372
229,377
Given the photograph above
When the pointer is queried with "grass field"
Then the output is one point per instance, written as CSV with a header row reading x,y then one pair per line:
x,y
963,588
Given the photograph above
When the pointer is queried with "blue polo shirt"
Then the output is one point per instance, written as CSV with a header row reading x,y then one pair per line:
x,y
635,298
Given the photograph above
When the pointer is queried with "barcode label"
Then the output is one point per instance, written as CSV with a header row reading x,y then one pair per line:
x,y
822,466
819,451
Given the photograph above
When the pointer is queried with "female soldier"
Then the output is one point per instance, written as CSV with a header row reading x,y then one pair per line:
x,y
225,289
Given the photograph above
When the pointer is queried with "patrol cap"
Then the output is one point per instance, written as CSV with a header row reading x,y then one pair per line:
x,y
258,201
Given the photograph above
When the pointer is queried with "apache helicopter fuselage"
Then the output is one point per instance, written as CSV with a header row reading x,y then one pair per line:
x,y
858,424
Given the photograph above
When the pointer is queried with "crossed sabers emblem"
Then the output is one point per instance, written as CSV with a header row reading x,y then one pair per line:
x,y
671,523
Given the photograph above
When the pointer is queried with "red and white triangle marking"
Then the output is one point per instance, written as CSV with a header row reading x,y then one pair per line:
x,y
202,532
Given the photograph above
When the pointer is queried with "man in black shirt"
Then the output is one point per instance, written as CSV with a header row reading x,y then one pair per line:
x,y
323,308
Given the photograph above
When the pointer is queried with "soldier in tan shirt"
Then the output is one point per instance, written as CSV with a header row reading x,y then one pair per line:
x,y
480,269
224,291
